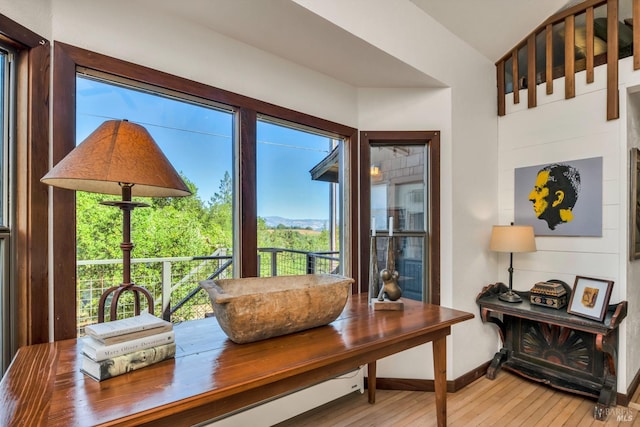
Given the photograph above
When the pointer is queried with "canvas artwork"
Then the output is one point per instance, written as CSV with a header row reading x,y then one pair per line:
x,y
560,199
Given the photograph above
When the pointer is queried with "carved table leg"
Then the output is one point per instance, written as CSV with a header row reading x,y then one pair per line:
x,y
497,361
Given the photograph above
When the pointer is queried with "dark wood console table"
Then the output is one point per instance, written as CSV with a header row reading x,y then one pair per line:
x,y
212,376
551,346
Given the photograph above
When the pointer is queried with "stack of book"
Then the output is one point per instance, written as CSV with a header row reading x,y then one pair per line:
x,y
114,348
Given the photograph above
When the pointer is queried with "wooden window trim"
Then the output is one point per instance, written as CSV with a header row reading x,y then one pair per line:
x,y
432,139
30,242
66,60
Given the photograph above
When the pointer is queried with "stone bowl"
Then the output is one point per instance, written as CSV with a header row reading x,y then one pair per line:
x,y
257,308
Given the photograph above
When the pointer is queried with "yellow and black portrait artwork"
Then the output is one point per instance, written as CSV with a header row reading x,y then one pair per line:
x,y
560,198
555,193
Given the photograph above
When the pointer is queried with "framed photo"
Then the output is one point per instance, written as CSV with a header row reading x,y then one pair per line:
x,y
634,214
590,297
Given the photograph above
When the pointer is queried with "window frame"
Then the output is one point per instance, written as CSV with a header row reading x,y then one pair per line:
x,y
67,59
432,140
27,322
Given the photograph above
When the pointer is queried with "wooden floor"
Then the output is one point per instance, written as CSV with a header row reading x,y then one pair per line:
x,y
509,400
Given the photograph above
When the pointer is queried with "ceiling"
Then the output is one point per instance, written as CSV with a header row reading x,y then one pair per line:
x,y
290,31
493,27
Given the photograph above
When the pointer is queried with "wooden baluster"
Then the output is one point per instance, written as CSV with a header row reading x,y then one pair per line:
x,y
589,35
549,51
501,90
515,76
531,71
612,60
569,57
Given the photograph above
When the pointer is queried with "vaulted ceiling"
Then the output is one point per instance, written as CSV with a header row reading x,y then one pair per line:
x,y
492,27
288,30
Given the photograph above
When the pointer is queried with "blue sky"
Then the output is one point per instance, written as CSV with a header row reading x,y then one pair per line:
x,y
198,141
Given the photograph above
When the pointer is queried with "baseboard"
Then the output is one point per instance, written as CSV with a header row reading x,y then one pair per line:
x,y
466,379
624,399
427,385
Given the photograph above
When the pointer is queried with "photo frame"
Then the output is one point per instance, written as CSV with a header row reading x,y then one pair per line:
x,y
634,199
590,297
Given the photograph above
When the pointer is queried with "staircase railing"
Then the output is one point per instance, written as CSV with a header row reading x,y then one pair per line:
x,y
588,39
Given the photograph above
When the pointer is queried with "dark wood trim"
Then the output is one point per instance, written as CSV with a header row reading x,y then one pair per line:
x,y
248,203
569,57
532,96
434,264
365,210
64,212
549,62
354,202
636,34
19,36
432,139
624,399
468,378
613,100
30,234
67,59
515,76
139,73
428,385
589,34
501,88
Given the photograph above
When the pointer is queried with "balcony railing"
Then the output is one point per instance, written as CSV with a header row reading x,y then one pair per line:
x,y
578,38
173,282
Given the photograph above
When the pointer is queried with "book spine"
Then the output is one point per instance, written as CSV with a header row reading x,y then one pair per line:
x,y
127,362
98,351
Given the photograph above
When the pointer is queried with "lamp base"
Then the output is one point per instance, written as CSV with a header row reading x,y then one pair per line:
x,y
510,296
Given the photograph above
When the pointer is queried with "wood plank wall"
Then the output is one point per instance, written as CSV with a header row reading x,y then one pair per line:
x,y
568,18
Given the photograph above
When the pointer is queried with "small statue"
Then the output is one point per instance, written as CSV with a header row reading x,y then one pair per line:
x,y
389,285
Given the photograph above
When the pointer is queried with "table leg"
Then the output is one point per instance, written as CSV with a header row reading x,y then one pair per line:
x,y
371,381
440,381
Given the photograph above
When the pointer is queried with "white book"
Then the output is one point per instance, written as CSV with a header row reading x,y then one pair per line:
x,y
127,362
98,351
143,321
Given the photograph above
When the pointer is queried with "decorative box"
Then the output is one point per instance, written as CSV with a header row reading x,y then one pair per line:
x,y
548,294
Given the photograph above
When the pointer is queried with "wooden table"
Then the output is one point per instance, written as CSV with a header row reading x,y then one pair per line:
x,y
212,376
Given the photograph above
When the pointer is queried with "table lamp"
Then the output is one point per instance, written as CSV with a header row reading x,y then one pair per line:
x,y
512,238
119,158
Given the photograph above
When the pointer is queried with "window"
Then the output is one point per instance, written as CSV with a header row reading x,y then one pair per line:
x,y
401,189
24,125
297,193
247,111
180,240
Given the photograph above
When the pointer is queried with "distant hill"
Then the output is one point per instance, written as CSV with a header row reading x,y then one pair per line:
x,y
314,224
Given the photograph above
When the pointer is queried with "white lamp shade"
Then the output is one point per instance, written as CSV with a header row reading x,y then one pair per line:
x,y
512,238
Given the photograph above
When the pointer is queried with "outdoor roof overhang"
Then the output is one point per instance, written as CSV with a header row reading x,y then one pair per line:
x,y
327,169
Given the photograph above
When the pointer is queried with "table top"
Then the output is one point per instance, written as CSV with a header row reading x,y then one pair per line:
x,y
488,299
44,385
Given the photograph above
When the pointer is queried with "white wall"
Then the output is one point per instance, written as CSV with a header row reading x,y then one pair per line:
x,y
560,130
32,14
465,114
164,42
